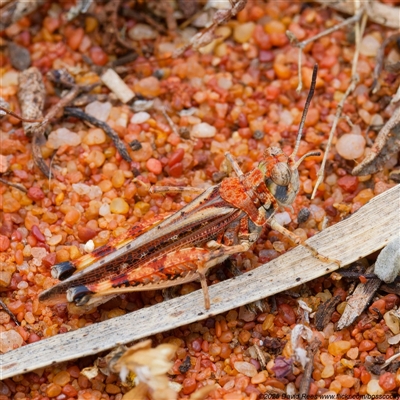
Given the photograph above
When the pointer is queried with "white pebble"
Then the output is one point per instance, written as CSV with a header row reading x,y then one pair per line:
x,y
22,285
81,188
10,340
63,136
282,218
99,110
369,46
225,83
203,130
38,252
104,209
10,78
245,368
142,32
387,265
373,388
350,146
89,246
95,192
286,117
140,117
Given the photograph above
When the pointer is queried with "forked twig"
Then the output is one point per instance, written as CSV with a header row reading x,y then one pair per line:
x,y
301,45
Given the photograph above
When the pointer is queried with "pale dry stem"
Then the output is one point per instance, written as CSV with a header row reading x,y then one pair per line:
x,y
301,45
320,175
359,31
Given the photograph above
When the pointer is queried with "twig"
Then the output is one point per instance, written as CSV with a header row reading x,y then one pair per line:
x,y
306,379
78,113
114,24
15,185
18,116
376,11
206,35
71,95
301,45
31,96
325,311
379,60
320,174
8,311
387,143
358,301
16,10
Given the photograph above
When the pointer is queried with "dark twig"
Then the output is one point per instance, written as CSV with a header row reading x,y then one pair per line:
x,y
15,185
357,302
379,59
386,143
325,311
78,113
306,379
14,11
19,117
7,310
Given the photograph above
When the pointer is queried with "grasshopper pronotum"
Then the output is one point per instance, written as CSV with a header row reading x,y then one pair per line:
x,y
225,219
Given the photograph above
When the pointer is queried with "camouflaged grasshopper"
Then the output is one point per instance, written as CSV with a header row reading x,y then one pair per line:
x,y
224,220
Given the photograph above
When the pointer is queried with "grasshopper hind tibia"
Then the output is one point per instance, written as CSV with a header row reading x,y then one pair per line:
x,y
63,270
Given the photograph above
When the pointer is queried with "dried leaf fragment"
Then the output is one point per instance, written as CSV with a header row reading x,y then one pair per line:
x,y
150,367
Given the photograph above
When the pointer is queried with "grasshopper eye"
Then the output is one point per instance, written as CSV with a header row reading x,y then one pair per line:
x,y
281,174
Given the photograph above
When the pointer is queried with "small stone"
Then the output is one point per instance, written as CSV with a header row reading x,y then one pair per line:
x,y
119,206
10,340
38,252
387,265
81,189
282,218
350,146
140,117
94,136
104,209
339,347
373,388
20,57
303,215
392,321
245,368
4,243
142,32
3,163
203,130
369,46
243,32
63,136
54,240
99,110
148,87
10,78
62,378
154,166
5,278
328,371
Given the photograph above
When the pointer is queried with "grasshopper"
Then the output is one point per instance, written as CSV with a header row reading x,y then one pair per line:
x,y
225,219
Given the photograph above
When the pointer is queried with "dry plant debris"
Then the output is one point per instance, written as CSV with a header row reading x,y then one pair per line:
x,y
236,94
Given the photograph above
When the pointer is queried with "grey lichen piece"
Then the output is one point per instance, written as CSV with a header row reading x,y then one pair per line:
x,y
387,266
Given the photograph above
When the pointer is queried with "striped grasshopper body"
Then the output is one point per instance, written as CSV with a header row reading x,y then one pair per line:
x,y
225,219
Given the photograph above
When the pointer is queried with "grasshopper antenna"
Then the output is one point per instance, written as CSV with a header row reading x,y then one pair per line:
x,y
304,116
